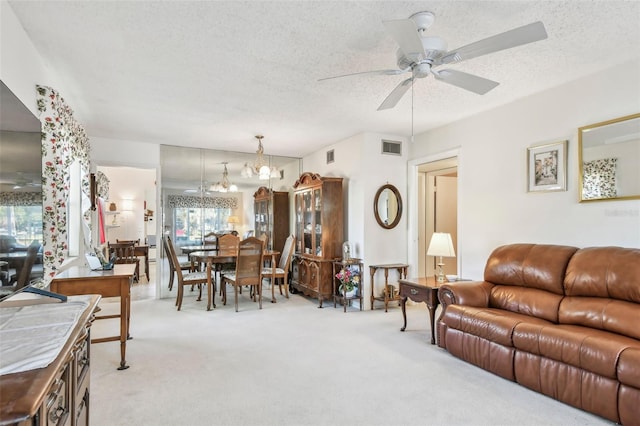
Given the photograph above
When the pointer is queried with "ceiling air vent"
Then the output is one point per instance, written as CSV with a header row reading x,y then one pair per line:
x,y
330,156
391,147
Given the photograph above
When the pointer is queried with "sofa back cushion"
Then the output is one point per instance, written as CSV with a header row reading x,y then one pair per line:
x,y
529,265
602,285
528,278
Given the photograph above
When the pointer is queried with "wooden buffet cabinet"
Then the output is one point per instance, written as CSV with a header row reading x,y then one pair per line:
x,y
271,209
59,393
319,231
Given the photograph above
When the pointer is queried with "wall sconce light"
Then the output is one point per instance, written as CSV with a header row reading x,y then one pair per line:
x,y
127,205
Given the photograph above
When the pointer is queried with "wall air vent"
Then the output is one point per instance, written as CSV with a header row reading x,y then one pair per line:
x,y
391,147
330,156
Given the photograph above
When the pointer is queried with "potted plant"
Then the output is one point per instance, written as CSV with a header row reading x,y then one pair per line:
x,y
349,281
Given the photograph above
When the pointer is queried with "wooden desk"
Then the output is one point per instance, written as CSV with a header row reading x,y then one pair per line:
x,y
387,294
115,283
423,289
140,250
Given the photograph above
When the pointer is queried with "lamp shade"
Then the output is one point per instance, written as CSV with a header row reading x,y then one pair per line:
x,y
233,219
441,245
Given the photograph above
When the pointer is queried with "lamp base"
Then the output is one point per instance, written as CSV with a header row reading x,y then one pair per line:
x,y
440,276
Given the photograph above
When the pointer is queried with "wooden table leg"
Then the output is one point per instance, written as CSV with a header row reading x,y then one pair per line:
x,y
372,271
125,307
432,316
403,305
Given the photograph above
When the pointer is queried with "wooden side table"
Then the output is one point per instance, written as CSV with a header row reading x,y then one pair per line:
x,y
387,294
337,266
423,289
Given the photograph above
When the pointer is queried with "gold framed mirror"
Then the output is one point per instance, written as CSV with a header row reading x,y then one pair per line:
x,y
609,160
387,206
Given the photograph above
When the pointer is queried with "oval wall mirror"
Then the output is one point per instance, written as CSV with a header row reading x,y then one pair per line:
x,y
387,206
608,155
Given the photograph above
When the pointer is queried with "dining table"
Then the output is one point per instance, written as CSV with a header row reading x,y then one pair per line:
x,y
215,258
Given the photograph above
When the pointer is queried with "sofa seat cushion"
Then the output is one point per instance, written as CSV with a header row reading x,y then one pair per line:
x,y
495,325
629,367
590,349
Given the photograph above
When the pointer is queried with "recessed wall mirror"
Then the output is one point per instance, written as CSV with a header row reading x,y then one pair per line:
x,y
387,206
609,159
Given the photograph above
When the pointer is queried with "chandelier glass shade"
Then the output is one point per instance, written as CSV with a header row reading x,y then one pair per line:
x,y
224,185
260,167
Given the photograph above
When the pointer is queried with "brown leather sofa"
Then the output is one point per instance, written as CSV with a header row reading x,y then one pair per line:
x,y
560,320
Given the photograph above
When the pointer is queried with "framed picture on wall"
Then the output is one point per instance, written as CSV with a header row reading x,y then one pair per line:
x,y
547,167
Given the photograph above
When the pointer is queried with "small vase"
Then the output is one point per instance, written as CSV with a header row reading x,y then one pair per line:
x,y
350,293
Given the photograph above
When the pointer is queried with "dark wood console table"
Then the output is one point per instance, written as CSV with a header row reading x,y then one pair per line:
x,y
423,289
114,283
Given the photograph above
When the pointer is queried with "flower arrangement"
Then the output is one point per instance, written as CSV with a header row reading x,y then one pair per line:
x,y
349,278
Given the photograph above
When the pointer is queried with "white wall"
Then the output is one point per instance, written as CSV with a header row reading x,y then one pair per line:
x,y
495,208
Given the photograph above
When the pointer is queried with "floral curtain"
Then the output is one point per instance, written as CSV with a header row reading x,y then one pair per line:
x,y
190,201
64,140
20,198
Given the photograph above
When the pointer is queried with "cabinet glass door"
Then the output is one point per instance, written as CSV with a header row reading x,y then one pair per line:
x,y
308,221
299,223
317,231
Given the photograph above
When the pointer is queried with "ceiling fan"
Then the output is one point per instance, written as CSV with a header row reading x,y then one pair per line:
x,y
422,55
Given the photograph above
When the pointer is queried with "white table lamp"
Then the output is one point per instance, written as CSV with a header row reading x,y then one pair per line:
x,y
441,245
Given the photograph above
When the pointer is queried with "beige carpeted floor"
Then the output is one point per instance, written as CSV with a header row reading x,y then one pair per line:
x,y
294,364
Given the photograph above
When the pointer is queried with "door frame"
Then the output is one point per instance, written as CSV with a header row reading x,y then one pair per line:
x,y
413,205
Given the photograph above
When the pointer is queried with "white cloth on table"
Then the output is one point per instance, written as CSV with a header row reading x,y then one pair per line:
x,y
31,337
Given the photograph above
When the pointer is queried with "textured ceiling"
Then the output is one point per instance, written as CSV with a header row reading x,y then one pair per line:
x,y
215,73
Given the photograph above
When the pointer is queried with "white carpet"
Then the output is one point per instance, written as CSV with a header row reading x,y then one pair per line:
x,y
294,364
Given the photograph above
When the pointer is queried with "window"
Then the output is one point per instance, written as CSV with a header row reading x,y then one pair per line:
x,y
22,222
192,224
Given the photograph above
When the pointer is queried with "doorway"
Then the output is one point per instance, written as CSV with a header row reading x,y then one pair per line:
x,y
433,181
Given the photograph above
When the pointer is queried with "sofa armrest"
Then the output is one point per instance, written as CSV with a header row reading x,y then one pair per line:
x,y
468,293
474,293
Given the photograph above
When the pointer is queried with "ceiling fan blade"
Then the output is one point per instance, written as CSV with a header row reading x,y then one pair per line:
x,y
396,94
405,33
470,82
377,72
507,40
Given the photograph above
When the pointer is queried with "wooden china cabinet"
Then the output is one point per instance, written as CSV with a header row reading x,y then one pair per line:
x,y
271,209
319,234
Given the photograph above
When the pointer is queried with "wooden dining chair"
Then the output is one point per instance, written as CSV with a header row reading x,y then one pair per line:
x,y
183,266
125,254
23,276
280,273
226,243
248,270
196,278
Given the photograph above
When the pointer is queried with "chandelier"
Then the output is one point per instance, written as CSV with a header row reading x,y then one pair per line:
x,y
260,167
225,185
